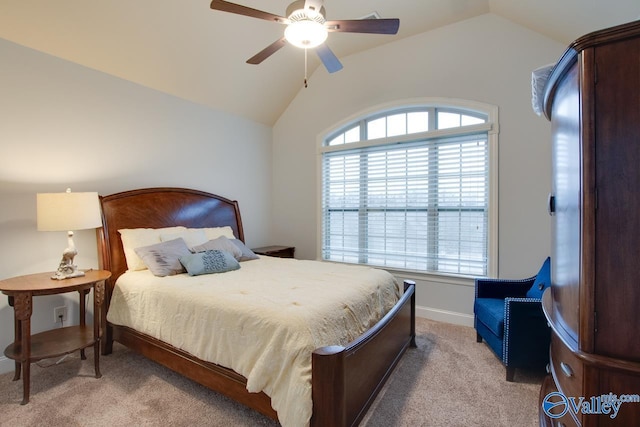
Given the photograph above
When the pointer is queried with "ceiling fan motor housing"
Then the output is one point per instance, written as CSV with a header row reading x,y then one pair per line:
x,y
296,12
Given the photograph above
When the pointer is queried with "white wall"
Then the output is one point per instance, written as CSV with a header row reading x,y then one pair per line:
x,y
486,59
63,125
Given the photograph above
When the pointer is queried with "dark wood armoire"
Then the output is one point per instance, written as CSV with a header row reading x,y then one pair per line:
x,y
592,99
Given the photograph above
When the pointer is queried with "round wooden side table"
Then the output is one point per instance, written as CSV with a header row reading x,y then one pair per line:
x,y
27,348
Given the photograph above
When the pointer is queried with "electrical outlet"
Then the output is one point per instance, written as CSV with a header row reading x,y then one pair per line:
x,y
60,312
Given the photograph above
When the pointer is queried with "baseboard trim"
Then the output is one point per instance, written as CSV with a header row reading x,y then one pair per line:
x,y
445,316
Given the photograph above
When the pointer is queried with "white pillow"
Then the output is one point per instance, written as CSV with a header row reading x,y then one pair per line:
x,y
215,232
192,236
133,238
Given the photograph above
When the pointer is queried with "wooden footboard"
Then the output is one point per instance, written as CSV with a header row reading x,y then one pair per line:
x,y
346,380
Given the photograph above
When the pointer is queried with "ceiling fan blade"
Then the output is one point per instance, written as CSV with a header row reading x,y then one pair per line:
x,y
375,26
328,58
267,51
225,6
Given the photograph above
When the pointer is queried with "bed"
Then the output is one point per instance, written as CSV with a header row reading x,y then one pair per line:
x,y
345,379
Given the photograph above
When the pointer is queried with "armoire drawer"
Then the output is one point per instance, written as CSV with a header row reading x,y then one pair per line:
x,y
567,420
568,370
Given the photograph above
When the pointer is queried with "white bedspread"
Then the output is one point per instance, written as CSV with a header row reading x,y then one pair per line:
x,y
263,320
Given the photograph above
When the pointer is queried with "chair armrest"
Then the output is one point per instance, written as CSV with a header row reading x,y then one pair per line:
x,y
526,332
522,309
503,288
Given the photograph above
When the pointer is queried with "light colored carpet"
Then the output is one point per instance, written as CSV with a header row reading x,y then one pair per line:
x,y
449,380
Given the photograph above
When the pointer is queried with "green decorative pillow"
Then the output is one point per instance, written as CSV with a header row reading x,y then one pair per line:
x,y
163,259
207,262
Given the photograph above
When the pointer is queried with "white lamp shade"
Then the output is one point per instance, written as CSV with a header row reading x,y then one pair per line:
x,y
68,211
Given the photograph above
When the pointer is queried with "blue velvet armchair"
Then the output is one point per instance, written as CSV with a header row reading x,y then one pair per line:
x,y
509,317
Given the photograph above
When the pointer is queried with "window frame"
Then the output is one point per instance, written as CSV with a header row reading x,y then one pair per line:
x,y
491,127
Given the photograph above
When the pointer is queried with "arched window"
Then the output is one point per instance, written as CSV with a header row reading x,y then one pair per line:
x,y
410,188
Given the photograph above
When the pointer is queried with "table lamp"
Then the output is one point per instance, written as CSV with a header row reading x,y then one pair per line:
x,y
66,212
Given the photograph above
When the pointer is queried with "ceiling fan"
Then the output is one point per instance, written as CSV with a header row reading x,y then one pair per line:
x,y
307,28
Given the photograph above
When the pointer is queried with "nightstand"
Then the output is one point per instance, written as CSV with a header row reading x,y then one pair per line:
x,y
276,251
28,348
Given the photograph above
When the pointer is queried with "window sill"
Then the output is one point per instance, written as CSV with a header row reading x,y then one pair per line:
x,y
449,279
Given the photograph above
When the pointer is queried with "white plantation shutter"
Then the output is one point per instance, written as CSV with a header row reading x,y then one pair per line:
x,y
419,205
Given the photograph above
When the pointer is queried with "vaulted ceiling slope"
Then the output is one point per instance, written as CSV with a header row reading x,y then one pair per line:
x,y
184,48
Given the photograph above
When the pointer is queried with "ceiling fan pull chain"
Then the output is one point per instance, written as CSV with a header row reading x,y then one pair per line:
x,y
305,67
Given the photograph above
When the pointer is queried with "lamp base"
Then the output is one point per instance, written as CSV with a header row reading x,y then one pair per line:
x,y
67,269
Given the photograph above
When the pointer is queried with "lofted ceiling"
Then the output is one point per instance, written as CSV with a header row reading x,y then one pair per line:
x,y
183,48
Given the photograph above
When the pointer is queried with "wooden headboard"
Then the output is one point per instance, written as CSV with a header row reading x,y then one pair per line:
x,y
157,208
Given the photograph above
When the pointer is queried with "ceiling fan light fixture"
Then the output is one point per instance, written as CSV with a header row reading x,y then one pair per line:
x,y
306,33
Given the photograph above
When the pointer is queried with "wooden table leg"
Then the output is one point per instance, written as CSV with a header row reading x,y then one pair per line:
x,y
18,365
17,337
83,314
22,309
98,299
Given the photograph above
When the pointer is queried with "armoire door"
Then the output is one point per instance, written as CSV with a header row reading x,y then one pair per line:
x,y
566,200
617,218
